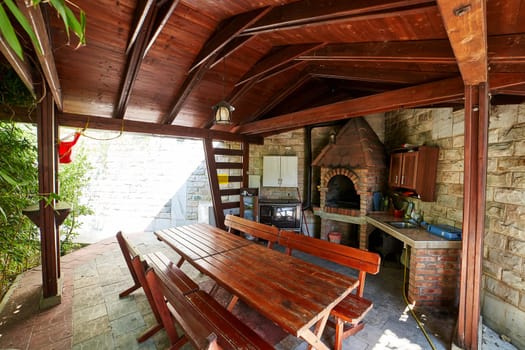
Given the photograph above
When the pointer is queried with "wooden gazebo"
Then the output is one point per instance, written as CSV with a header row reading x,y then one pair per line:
x,y
155,66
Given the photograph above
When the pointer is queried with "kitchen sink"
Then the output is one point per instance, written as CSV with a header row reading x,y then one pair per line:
x,y
401,224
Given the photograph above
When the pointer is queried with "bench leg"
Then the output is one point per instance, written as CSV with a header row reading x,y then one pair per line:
x,y
338,341
180,262
149,332
180,343
129,291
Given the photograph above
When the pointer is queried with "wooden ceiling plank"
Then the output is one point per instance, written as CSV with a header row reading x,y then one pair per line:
x,y
166,14
466,27
499,81
140,23
508,49
226,33
112,124
134,62
277,58
230,48
279,97
21,68
376,75
307,12
424,94
187,87
423,51
516,91
281,69
46,59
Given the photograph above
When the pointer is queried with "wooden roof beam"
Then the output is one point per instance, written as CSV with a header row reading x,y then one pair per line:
x,y
46,59
227,32
21,68
144,30
466,25
276,59
436,92
208,56
424,51
377,75
306,12
112,124
165,11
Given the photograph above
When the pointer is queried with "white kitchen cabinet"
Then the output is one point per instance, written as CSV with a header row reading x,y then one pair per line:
x,y
280,171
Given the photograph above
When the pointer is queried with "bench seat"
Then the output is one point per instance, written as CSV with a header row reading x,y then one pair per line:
x,y
206,323
167,271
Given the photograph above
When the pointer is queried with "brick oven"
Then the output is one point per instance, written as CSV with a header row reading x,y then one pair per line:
x,y
352,169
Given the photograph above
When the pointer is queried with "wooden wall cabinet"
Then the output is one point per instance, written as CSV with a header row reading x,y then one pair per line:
x,y
415,169
280,171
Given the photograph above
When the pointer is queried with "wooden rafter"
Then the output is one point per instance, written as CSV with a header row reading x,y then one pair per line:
x,y
307,12
230,48
424,51
46,58
21,68
227,33
440,91
135,57
279,97
466,27
376,75
80,121
165,11
276,59
208,56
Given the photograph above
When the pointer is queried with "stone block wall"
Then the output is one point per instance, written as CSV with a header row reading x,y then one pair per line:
x,y
140,182
504,242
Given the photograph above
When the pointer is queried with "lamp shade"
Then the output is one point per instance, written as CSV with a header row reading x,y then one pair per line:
x,y
223,112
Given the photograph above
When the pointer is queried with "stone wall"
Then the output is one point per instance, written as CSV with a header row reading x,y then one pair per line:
x,y
504,244
140,182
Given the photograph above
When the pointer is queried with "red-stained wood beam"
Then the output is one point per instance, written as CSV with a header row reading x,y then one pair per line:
x,y
475,178
276,59
80,121
516,91
141,23
165,12
135,58
45,58
466,25
279,97
306,12
226,33
209,55
375,75
230,48
423,51
21,68
425,94
46,184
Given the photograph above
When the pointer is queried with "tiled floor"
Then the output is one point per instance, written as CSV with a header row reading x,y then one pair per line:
x,y
91,316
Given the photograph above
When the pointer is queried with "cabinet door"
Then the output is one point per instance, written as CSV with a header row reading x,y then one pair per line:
x,y
288,171
271,171
396,164
409,174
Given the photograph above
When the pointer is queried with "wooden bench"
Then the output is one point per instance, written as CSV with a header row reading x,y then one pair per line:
x,y
256,229
129,251
354,307
206,323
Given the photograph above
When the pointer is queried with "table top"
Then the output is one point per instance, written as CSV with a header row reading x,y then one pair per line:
x,y
197,241
289,291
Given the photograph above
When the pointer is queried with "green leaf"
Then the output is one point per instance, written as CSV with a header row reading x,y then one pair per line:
x,y
75,25
24,23
3,213
60,7
8,178
8,32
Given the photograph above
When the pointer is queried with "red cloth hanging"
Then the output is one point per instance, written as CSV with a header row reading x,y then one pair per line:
x,y
64,149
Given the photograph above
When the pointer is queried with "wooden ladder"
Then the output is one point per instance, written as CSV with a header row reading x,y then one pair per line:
x,y
231,166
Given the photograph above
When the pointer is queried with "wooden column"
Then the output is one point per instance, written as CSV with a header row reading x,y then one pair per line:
x,y
476,144
47,185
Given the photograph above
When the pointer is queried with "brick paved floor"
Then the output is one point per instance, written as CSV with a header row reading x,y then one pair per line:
x,y
91,315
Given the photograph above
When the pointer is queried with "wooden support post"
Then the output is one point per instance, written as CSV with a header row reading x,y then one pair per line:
x,y
476,145
46,179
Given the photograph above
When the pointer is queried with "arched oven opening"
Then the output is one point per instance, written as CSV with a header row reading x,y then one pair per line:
x,y
341,193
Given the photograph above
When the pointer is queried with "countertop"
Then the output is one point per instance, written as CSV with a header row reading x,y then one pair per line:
x,y
414,237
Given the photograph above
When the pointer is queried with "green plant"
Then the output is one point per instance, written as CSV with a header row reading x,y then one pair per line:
x,y
7,30
73,179
19,244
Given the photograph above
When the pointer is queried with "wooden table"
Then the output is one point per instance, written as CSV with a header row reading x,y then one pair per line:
x,y
198,241
294,294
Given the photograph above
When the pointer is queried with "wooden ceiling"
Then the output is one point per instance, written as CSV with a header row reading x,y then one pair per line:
x,y
162,64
